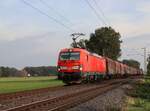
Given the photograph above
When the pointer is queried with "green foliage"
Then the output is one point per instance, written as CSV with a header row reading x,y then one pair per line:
x,y
141,95
105,41
6,71
148,69
41,71
139,105
142,90
132,63
138,102
34,71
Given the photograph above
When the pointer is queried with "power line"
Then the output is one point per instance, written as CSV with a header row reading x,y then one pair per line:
x,y
101,11
51,8
94,10
45,14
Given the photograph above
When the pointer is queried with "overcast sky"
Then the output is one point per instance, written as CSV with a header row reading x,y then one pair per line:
x,y
28,38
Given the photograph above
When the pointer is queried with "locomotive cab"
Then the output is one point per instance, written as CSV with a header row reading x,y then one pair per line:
x,y
69,65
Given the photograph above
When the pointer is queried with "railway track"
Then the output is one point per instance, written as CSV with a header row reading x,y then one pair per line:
x,y
20,99
22,94
69,100
25,94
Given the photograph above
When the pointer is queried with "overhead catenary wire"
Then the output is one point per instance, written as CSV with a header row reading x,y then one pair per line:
x,y
101,11
55,11
94,10
45,14
133,50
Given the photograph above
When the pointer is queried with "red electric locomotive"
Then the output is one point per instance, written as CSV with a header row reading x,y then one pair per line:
x,y
76,65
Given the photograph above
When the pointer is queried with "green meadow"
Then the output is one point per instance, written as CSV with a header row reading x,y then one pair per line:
x,y
15,84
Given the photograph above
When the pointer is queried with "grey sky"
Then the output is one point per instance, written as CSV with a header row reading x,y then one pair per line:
x,y
28,38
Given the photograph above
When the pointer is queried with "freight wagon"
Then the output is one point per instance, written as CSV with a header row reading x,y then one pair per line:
x,y
76,65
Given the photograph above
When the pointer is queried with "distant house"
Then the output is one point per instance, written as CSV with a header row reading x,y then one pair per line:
x,y
24,73
40,71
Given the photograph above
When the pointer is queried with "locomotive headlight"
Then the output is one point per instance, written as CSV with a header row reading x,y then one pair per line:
x,y
63,67
58,68
76,67
81,67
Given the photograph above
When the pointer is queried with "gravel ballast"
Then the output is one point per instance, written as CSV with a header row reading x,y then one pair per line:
x,y
50,94
113,100
110,101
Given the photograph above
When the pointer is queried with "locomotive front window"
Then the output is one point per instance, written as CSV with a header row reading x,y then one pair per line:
x,y
70,56
74,56
65,56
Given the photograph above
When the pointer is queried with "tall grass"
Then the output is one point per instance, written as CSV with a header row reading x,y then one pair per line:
x,y
141,95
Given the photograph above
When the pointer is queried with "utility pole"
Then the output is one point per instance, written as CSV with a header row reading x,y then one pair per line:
x,y
75,36
145,60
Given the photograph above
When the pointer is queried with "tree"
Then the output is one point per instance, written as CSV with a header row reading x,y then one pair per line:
x,y
7,71
148,67
132,63
105,41
4,71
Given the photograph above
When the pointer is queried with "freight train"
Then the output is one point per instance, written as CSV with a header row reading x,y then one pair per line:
x,y
77,65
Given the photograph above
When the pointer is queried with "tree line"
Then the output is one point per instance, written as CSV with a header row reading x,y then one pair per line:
x,y
32,71
7,71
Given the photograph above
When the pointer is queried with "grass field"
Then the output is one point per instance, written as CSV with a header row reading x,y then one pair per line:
x,y
15,84
139,99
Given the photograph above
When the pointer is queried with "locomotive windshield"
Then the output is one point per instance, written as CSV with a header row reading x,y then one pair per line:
x,y
70,56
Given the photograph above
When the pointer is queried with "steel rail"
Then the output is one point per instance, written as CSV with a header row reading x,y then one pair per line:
x,y
58,103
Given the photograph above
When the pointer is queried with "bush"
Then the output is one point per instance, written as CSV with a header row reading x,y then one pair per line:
x,y
138,102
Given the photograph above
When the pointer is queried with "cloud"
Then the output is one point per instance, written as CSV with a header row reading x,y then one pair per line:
x,y
33,51
130,18
131,28
17,31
